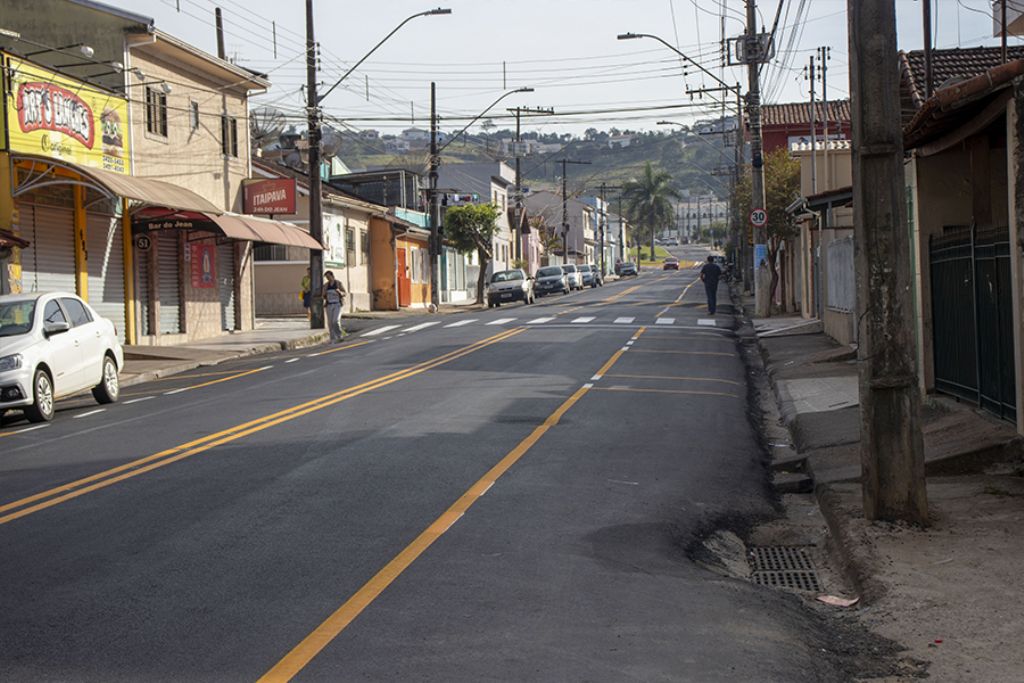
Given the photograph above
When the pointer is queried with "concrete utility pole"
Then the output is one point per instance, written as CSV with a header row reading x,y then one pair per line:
x,y
519,111
811,76
316,222
926,18
433,209
892,450
761,295
825,54
565,206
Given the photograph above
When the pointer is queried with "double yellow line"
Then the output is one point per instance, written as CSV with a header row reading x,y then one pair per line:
x,y
61,494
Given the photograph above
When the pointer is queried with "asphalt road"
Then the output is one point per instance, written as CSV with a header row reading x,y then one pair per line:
x,y
498,495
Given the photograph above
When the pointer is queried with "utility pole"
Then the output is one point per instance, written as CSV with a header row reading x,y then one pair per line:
x,y
891,445
565,206
316,222
825,54
811,76
926,17
219,23
1002,25
753,51
435,231
519,111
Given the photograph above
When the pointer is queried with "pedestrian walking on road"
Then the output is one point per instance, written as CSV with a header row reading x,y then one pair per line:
x,y
709,275
334,297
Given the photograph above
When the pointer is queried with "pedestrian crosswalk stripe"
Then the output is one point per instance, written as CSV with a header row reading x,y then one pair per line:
x,y
422,326
665,321
706,321
584,319
501,321
380,330
461,323
538,321
624,321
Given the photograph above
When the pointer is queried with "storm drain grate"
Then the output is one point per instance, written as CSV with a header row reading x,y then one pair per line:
x,y
781,566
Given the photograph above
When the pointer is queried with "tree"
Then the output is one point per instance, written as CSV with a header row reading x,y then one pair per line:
x,y
649,202
472,227
782,186
550,240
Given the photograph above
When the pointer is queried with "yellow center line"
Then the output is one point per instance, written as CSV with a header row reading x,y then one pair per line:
x,y
616,297
691,392
677,379
678,298
174,378
131,469
321,636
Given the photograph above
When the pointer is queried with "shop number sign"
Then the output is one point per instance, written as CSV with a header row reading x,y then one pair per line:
x,y
143,243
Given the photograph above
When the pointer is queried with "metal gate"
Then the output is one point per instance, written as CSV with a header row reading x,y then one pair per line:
x,y
973,318
169,282
48,264
226,284
105,251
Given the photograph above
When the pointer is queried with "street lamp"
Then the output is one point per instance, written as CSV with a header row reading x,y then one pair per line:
x,y
435,162
316,256
634,36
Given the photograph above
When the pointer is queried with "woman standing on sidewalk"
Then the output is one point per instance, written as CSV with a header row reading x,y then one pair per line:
x,y
334,297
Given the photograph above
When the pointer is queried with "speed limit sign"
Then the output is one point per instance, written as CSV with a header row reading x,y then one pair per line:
x,y
758,218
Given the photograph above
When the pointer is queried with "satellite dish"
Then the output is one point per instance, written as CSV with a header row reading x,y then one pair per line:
x,y
330,142
265,126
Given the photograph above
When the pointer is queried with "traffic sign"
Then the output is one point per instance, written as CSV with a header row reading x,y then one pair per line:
x,y
758,218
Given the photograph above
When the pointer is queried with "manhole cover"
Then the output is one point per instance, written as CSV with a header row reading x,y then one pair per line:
x,y
781,566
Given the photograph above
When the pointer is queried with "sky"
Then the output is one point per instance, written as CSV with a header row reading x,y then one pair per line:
x,y
565,49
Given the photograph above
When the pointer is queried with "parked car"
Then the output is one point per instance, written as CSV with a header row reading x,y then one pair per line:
x,y
574,275
627,268
671,263
508,286
586,275
551,279
598,277
53,345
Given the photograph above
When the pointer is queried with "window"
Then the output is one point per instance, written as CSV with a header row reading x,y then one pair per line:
x,y
350,246
229,136
52,313
364,242
79,315
193,115
270,252
156,112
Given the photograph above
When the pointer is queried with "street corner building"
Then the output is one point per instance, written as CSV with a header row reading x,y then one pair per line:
x,y
122,169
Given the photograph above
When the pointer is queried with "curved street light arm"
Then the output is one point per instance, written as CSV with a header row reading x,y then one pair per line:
x,y
355,66
480,116
631,36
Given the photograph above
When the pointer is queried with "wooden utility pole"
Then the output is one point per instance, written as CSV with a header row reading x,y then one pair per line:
x,y
892,449
434,215
762,298
316,223
926,18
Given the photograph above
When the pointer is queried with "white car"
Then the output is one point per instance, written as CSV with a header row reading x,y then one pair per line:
x,y
574,275
53,345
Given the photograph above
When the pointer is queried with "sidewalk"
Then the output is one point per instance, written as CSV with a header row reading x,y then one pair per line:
x,y
950,593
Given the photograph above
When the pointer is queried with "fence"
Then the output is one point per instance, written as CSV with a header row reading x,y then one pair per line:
x,y
842,286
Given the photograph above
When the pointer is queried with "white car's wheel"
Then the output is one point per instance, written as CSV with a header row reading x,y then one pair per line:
x,y
109,387
41,409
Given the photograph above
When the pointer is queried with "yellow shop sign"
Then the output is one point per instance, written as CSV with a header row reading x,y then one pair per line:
x,y
60,117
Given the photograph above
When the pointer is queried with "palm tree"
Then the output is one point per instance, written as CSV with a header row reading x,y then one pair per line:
x,y
648,201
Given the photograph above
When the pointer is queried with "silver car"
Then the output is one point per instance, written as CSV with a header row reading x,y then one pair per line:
x,y
508,286
574,275
53,345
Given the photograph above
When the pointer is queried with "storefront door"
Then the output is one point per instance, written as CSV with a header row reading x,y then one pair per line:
x,y
404,281
48,264
226,284
105,251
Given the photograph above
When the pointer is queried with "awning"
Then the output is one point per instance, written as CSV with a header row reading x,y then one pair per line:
x,y
44,171
231,225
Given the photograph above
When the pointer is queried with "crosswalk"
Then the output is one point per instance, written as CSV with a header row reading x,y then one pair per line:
x,y
583,320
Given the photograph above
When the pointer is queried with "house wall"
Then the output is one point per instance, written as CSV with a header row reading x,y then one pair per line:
x,y
383,295
416,249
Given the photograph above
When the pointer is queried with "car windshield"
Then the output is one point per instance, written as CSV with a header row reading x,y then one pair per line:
x,y
507,275
16,317
570,268
584,269
553,271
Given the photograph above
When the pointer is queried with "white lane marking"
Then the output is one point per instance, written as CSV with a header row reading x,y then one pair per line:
x,y
501,321
625,348
624,321
31,429
138,400
176,391
422,326
630,342
595,378
386,338
489,485
539,321
91,412
665,321
265,367
453,522
584,319
707,321
620,481
379,330
291,360
461,323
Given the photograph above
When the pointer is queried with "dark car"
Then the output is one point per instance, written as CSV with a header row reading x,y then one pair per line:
x,y
598,280
627,268
551,280
587,275
671,263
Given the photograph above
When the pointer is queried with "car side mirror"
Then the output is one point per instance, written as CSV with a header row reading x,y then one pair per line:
x,y
50,329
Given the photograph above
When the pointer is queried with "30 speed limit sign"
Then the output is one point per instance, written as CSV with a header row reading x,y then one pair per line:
x,y
758,218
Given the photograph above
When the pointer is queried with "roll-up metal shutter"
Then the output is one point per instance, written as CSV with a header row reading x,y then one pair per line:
x,y
226,284
105,252
143,291
170,283
48,265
